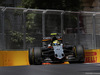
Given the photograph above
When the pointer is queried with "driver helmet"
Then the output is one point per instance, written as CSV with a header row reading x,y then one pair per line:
x,y
56,42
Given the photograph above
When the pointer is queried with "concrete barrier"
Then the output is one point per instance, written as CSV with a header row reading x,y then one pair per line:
x,y
92,56
20,58
14,58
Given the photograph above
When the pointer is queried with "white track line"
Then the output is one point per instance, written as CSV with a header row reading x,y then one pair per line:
x,y
92,73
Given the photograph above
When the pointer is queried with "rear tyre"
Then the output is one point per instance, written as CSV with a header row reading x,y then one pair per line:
x,y
79,53
35,55
31,56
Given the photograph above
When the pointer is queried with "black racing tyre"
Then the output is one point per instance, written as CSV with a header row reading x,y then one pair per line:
x,y
31,56
79,53
35,56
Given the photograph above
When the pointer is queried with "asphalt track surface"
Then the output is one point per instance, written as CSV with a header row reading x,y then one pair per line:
x,y
61,69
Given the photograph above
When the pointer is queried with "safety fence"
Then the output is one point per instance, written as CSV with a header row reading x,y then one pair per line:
x,y
22,28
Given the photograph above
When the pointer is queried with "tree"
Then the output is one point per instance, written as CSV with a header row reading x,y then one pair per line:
x,y
52,4
1,2
69,5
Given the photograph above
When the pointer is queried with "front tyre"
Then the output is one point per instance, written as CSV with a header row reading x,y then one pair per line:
x,y
79,53
35,55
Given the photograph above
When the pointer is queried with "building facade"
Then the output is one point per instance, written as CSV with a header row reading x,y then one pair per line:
x,y
91,5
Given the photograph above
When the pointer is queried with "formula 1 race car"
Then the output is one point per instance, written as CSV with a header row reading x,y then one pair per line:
x,y
54,51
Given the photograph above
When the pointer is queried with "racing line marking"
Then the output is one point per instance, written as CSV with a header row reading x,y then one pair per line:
x,y
92,73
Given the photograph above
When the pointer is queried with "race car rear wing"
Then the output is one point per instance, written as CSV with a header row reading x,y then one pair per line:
x,y
50,38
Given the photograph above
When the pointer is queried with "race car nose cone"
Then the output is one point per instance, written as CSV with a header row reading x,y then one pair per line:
x,y
58,50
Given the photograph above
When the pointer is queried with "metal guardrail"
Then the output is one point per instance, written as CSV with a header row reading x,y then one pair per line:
x,y
43,12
